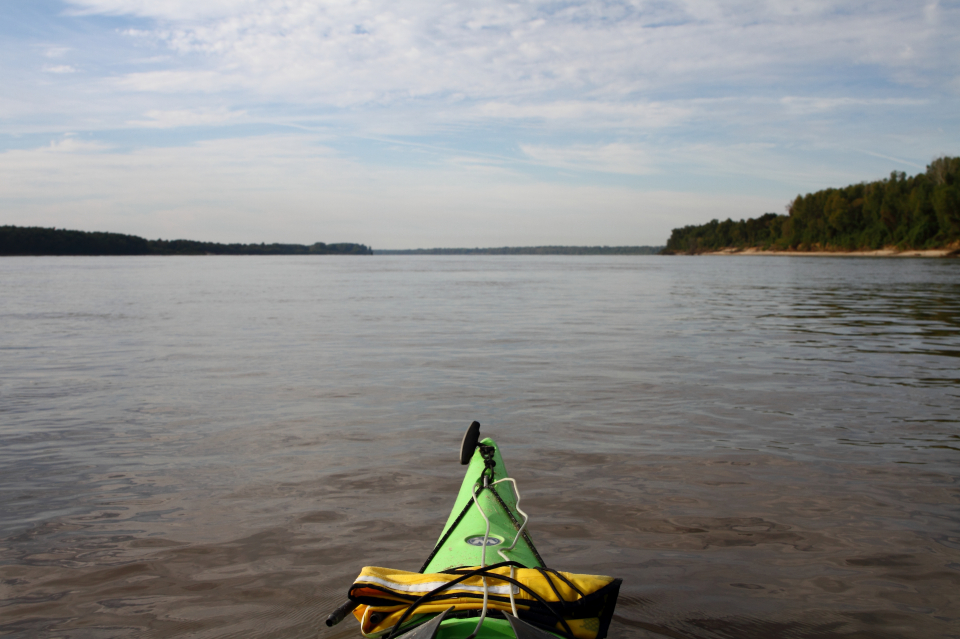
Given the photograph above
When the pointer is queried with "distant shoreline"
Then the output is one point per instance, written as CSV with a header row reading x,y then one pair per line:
x,y
40,241
529,250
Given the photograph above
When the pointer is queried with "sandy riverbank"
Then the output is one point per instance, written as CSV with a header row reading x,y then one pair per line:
x,y
884,252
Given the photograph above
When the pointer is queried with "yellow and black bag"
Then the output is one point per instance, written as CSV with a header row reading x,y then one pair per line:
x,y
578,606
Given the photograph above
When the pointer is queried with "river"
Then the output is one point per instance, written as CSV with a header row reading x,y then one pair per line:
x,y
214,446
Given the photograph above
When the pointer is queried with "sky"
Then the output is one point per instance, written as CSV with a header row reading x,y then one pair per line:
x,y
416,124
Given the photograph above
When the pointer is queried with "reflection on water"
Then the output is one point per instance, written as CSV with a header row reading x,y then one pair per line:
x,y
760,447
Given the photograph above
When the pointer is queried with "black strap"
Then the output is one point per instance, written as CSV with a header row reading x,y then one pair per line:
x,y
446,535
551,608
463,513
546,576
516,524
565,580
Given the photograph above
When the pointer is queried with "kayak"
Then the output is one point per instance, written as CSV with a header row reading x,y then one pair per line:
x,y
484,578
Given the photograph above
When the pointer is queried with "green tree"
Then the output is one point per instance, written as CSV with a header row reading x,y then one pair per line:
x,y
946,204
910,212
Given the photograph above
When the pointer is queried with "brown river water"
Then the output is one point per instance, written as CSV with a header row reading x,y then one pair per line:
x,y
214,446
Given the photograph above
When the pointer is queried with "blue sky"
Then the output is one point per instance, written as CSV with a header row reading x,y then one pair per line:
x,y
405,123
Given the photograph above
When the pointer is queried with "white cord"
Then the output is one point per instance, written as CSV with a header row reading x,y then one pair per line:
x,y
486,535
501,551
483,562
526,517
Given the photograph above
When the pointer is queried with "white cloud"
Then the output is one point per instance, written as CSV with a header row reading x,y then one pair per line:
x,y
160,9
599,114
176,82
384,51
762,161
608,158
73,145
187,117
897,160
59,68
804,105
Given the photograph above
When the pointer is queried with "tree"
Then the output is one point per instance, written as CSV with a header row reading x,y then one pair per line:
x,y
946,204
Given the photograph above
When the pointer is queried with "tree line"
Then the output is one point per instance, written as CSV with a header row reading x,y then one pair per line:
x,y
35,240
918,212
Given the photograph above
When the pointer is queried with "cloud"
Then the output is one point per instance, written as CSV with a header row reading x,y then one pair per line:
x,y
160,9
72,145
187,117
897,160
59,68
609,158
379,51
805,105
761,161
176,82
594,114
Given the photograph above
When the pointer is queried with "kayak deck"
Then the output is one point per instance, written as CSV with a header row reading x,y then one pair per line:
x,y
461,541
492,629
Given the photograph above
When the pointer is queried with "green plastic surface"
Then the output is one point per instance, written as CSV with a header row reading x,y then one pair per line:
x,y
456,551
461,629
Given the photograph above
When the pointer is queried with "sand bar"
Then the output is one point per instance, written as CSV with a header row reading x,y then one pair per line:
x,y
884,252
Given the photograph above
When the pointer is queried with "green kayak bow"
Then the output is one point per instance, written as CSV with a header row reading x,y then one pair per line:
x,y
484,578
466,540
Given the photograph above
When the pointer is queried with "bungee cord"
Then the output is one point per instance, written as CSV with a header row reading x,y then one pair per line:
x,y
500,551
483,562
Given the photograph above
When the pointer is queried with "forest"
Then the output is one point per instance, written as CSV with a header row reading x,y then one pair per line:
x,y
35,240
918,212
